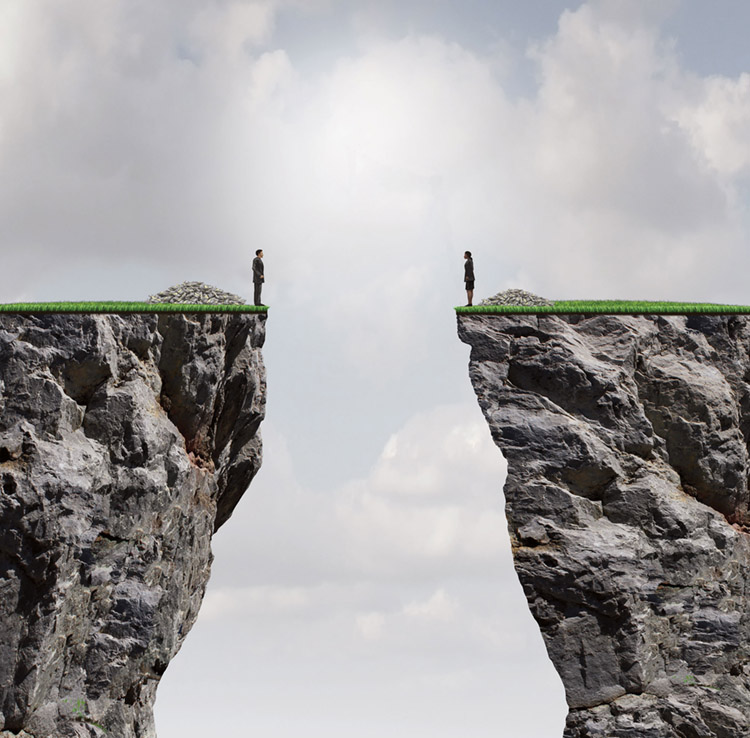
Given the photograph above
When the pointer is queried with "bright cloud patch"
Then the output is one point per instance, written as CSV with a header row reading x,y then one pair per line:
x,y
718,121
439,607
432,503
433,494
370,625
227,603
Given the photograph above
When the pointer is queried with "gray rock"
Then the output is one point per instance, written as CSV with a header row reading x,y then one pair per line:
x,y
196,293
515,297
125,441
627,504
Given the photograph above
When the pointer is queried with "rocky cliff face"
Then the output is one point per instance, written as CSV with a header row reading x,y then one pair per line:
x,y
125,442
627,503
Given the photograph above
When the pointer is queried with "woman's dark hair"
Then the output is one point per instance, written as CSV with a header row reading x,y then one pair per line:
x,y
467,253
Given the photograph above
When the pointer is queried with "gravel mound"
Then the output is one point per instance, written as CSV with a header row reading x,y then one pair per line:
x,y
516,297
197,293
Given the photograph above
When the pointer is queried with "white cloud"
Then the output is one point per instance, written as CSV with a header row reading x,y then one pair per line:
x,y
439,607
370,625
402,576
432,504
272,72
604,137
717,118
433,495
231,28
387,590
265,600
435,454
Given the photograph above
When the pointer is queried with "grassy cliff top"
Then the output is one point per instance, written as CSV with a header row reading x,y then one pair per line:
x,y
616,307
126,307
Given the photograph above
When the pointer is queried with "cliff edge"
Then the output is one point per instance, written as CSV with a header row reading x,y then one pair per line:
x,y
125,442
627,504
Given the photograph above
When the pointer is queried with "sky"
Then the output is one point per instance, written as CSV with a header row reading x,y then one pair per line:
x,y
599,149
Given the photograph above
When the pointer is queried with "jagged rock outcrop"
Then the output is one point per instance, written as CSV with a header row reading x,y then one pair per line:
x,y
627,503
125,442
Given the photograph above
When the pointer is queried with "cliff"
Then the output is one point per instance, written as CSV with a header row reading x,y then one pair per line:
x,y
125,442
627,504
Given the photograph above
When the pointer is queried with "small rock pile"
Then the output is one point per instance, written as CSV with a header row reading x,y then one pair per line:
x,y
197,293
516,297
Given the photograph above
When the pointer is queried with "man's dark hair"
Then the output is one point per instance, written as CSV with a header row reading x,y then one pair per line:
x,y
467,253
257,252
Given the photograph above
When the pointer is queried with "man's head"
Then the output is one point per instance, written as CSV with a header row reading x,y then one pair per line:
x,y
259,252
467,254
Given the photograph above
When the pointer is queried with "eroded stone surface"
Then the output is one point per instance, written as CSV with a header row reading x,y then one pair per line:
x,y
627,503
125,441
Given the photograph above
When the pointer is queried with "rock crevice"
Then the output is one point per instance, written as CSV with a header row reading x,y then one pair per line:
x,y
627,503
125,442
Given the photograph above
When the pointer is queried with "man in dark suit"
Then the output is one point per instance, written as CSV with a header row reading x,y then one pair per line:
x,y
469,277
258,276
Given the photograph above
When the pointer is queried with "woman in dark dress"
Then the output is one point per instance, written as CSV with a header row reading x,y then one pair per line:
x,y
469,277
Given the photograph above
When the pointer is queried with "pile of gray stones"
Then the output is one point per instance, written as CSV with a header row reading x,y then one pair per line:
x,y
516,297
197,293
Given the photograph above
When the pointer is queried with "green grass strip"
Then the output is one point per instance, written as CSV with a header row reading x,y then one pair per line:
x,y
126,307
608,307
